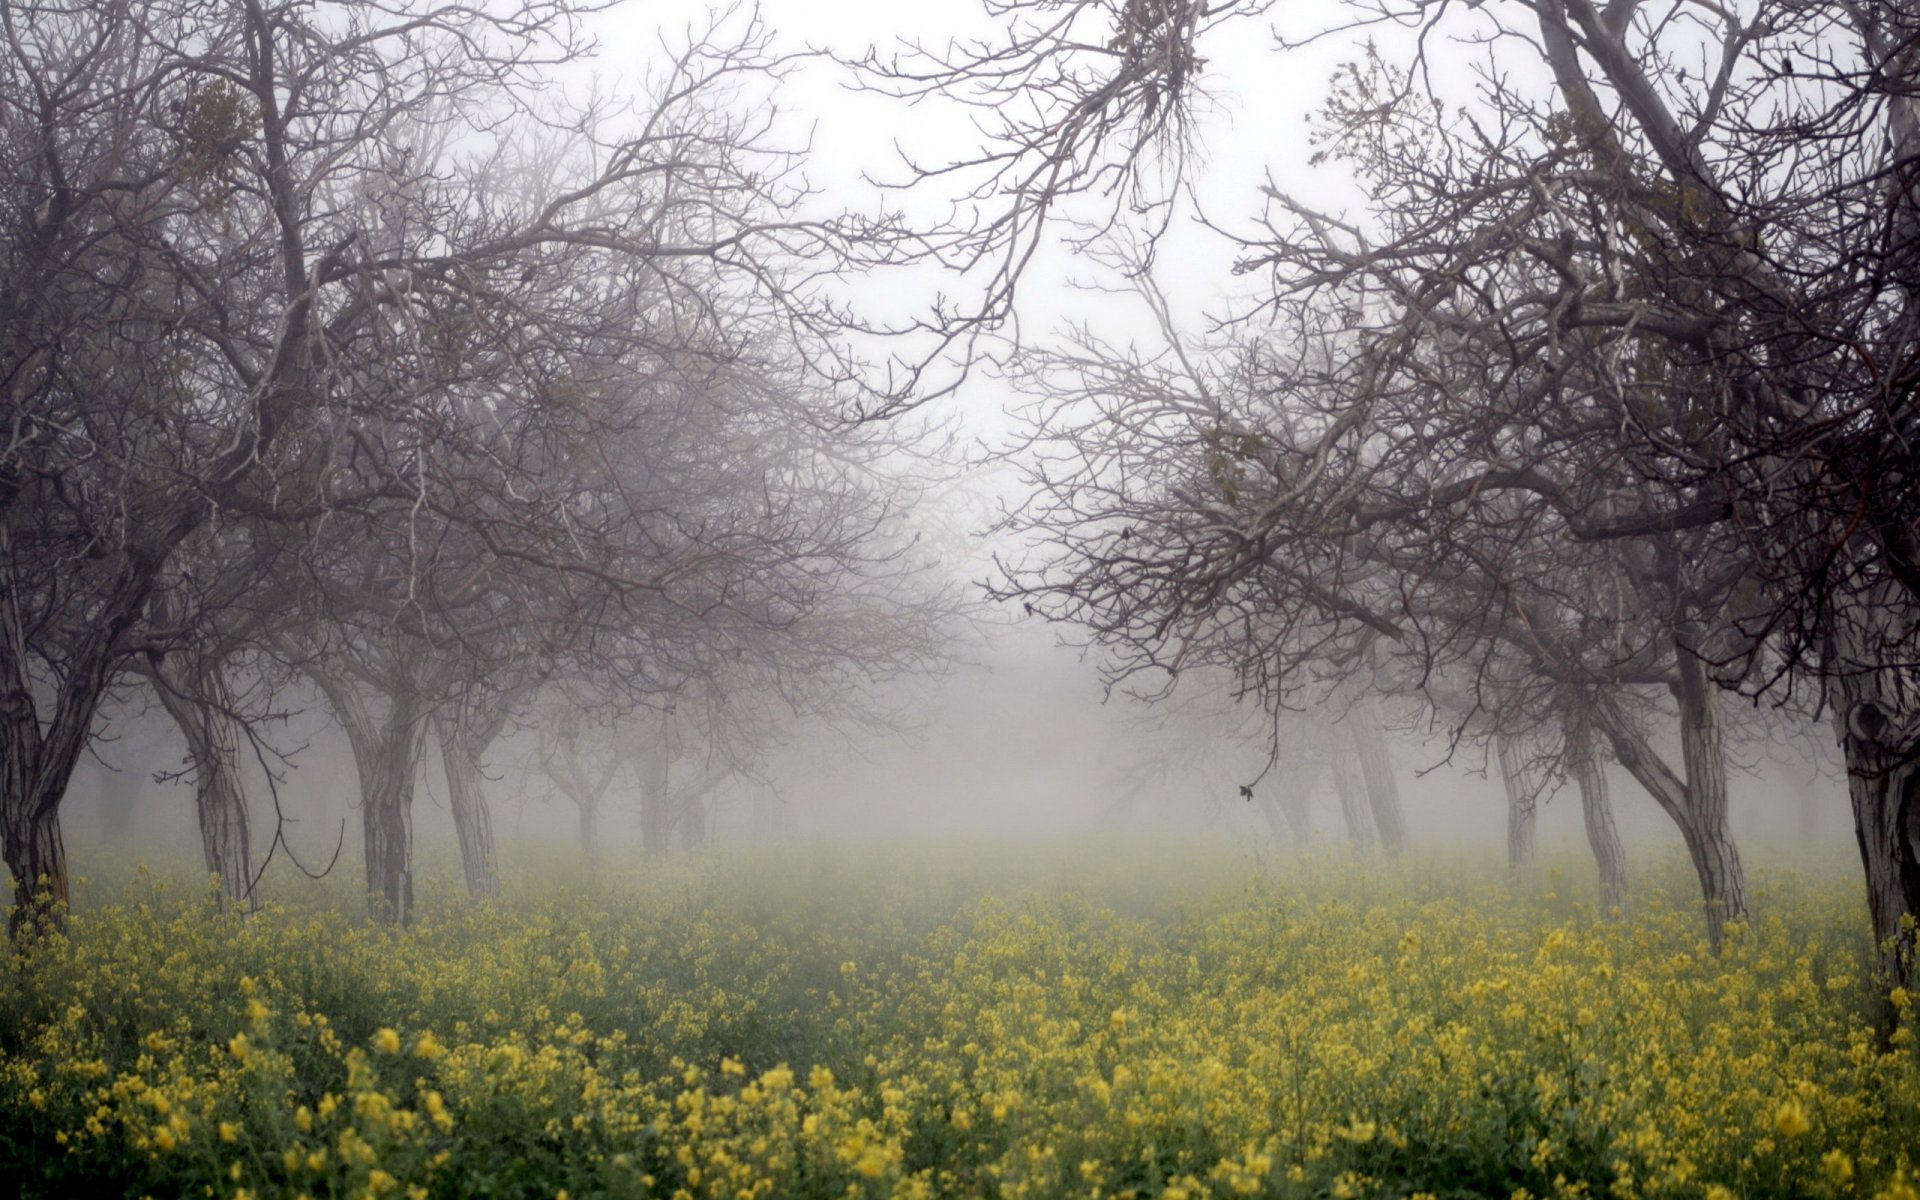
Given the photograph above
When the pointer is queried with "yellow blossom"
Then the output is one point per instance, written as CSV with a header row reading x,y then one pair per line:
x,y
1791,1119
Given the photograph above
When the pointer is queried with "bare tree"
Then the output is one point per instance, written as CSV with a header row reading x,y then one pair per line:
x,y
583,772
260,254
1605,300
1237,509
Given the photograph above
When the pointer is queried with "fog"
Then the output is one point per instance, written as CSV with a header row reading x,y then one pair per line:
x,y
1019,746
679,431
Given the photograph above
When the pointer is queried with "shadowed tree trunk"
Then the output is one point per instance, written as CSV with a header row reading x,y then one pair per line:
x,y
467,797
1596,807
1522,810
193,689
1376,769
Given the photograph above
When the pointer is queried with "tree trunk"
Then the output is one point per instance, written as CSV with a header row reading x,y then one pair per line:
x,y
1872,721
1698,804
1522,810
1376,768
1352,808
1596,806
386,811
652,756
1807,805
385,753
590,833
38,860
566,765
1297,807
1287,804
38,756
1715,857
693,816
467,797
193,689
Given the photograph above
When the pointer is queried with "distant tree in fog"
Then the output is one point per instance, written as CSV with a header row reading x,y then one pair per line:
x,y
1278,758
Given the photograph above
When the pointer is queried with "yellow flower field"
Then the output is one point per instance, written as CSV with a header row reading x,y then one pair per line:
x,y
1176,1026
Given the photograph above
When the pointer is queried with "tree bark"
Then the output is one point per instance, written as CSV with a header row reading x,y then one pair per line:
x,y
1872,721
1376,768
1522,809
467,797
386,796
1596,807
38,860
193,689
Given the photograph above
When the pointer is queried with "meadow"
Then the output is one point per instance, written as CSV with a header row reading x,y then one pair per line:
x,y
864,1024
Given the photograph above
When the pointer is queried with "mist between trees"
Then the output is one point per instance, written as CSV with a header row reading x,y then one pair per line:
x,y
364,370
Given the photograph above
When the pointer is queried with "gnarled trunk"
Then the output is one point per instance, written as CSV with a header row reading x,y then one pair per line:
x,y
1522,810
1873,718
193,689
1596,808
1376,770
467,797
